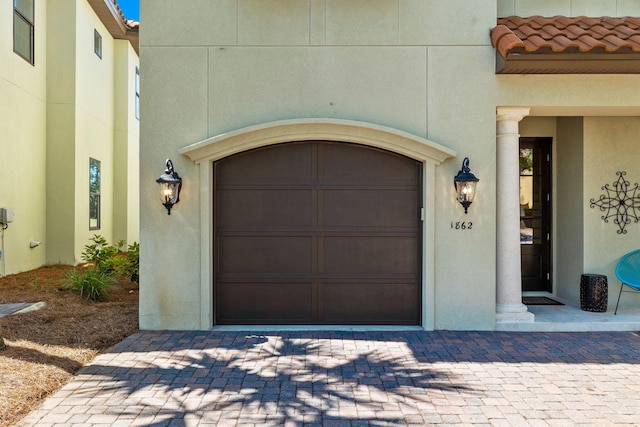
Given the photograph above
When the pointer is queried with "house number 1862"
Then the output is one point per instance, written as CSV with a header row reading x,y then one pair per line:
x,y
461,225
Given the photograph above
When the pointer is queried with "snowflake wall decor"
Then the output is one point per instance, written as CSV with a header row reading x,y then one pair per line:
x,y
622,203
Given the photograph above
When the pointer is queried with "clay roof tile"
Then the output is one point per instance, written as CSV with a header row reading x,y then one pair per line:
x,y
536,44
563,34
552,31
505,40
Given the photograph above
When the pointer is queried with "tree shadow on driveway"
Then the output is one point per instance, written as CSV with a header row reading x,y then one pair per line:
x,y
319,378
304,378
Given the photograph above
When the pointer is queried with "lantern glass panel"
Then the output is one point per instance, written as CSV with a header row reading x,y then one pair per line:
x,y
466,191
169,192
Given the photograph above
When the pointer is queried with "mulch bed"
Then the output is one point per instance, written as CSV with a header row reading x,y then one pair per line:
x,y
45,347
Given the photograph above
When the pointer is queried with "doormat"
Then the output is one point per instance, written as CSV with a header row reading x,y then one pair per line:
x,y
540,301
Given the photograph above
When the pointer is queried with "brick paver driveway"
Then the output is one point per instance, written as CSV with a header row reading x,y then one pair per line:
x,y
355,378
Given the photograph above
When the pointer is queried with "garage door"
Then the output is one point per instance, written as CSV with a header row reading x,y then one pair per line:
x,y
317,233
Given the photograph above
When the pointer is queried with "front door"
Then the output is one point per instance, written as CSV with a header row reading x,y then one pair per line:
x,y
535,213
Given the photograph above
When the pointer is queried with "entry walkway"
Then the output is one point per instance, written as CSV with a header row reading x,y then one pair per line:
x,y
569,318
331,378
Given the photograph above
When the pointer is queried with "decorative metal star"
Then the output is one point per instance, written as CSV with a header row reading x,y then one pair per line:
x,y
622,203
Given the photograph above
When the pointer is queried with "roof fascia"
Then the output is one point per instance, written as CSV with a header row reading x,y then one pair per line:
x,y
568,63
113,20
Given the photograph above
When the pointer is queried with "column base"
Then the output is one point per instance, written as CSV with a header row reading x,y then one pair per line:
x,y
510,313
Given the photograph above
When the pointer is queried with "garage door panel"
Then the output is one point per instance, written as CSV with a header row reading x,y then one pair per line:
x,y
275,164
317,233
264,255
343,163
265,302
370,303
369,255
369,208
264,209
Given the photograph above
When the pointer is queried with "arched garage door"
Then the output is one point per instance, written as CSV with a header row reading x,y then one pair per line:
x,y
317,233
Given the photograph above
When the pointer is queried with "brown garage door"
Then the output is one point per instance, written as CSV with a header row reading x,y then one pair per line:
x,y
317,233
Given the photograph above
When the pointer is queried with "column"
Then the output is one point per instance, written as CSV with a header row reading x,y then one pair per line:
x,y
509,307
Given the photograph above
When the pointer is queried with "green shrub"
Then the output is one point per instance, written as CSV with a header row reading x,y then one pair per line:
x,y
119,260
1,340
92,284
132,268
100,253
107,264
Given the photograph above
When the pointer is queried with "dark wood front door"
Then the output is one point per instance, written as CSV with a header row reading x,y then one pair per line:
x,y
535,213
317,233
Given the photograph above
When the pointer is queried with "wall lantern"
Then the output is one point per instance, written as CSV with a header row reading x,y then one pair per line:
x,y
465,183
170,184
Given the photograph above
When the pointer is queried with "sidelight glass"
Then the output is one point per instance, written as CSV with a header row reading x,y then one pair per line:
x,y
94,194
529,201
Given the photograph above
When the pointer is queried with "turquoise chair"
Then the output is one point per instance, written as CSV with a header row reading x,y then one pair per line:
x,y
628,272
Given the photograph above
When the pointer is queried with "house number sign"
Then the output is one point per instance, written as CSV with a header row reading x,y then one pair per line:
x,y
461,225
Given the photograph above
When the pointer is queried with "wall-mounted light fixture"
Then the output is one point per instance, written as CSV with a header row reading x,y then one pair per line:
x,y
170,184
465,183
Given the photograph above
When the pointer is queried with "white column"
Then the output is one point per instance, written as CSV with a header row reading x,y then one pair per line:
x,y
509,307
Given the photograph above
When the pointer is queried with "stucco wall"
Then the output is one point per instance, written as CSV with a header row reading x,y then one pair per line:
x,y
588,151
54,115
94,123
610,145
126,211
22,143
569,7
61,134
212,68
569,172
388,62
82,124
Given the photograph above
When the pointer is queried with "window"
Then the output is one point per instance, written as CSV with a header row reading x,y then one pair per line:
x,y
94,194
137,93
97,43
23,29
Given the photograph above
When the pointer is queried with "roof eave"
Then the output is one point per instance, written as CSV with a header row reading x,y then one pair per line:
x,y
112,18
568,63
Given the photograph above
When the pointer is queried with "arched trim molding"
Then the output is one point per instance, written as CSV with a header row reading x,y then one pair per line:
x,y
205,153
364,133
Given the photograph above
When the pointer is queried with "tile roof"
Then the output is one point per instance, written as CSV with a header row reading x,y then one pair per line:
x,y
561,35
130,23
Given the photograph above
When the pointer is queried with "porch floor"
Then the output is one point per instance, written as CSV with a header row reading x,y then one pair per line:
x,y
569,318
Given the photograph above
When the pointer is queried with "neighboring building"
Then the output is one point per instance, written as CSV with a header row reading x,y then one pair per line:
x,y
318,141
68,128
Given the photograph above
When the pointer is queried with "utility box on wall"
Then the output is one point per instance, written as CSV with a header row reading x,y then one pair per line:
x,y
6,215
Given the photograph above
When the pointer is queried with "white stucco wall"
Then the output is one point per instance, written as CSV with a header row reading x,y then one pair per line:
x,y
23,142
569,229
568,7
90,102
126,206
215,68
376,62
61,133
54,115
94,124
610,145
